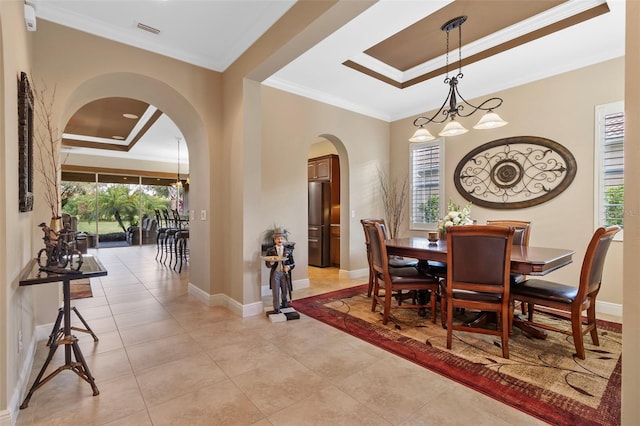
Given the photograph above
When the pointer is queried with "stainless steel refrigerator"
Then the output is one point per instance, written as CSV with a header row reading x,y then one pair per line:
x,y
319,223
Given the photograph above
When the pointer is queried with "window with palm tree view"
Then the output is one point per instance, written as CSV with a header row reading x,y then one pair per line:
x,y
118,210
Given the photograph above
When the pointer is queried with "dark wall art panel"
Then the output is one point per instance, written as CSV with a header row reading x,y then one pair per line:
x,y
515,172
25,140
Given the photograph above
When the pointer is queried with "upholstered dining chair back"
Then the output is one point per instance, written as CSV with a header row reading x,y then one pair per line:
x,y
593,263
568,298
478,261
395,280
521,233
393,263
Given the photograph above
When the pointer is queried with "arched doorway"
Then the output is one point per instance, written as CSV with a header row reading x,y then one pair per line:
x,y
126,167
330,150
187,119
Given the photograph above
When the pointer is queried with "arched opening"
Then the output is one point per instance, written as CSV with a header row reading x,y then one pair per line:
x,y
126,169
328,219
192,128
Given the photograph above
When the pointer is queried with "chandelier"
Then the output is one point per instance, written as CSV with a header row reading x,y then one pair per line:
x,y
451,108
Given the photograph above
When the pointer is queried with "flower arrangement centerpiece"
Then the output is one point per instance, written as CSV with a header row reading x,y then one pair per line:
x,y
457,216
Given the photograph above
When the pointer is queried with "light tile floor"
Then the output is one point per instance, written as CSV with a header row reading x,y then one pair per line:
x,y
164,358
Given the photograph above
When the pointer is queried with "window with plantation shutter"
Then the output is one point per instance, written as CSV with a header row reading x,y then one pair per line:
x,y
427,185
610,165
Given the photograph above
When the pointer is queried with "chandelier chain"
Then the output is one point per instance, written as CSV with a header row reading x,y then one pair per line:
x,y
447,57
455,105
460,49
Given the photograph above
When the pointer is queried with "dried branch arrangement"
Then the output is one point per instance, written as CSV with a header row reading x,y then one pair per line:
x,y
394,199
47,139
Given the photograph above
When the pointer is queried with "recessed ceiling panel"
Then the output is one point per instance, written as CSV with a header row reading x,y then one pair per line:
x,y
425,40
104,118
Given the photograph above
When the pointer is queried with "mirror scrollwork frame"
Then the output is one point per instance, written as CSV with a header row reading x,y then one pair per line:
x,y
25,141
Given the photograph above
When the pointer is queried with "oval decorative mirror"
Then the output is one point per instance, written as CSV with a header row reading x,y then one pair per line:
x,y
515,172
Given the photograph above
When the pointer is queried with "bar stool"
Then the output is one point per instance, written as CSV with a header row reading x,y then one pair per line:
x,y
181,248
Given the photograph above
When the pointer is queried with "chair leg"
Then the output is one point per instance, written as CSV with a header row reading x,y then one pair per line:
x,y
370,288
449,323
158,239
591,318
387,306
376,293
503,323
433,306
576,328
443,310
530,307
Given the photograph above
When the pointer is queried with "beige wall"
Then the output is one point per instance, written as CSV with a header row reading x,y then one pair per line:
x,y
560,108
323,147
15,228
84,68
242,168
631,290
288,132
305,24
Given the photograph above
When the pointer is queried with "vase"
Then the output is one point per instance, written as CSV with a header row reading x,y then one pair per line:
x,y
442,234
56,224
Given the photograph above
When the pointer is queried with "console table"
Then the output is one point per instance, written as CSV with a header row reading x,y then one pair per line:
x,y
91,267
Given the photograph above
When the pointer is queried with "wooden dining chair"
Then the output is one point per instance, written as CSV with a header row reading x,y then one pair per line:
x,y
478,262
521,235
572,299
393,263
396,280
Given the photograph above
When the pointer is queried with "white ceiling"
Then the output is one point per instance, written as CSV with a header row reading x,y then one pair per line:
x,y
213,33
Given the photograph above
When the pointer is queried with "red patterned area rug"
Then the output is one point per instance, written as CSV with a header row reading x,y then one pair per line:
x,y
542,377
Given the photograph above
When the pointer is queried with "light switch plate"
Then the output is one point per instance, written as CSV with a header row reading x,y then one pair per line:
x,y
203,215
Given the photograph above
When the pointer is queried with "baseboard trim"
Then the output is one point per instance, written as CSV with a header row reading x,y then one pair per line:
x,y
22,385
609,308
233,305
5,418
356,273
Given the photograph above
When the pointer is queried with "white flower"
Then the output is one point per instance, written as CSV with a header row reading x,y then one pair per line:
x,y
456,216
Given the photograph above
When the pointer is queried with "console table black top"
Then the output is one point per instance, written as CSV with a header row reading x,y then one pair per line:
x,y
91,267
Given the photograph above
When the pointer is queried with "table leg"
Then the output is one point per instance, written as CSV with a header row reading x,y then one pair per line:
x,y
71,346
526,327
86,328
38,382
56,328
57,331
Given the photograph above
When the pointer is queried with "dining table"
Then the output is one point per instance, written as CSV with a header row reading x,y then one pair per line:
x,y
525,260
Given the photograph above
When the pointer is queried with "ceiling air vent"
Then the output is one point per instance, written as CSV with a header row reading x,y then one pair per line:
x,y
148,28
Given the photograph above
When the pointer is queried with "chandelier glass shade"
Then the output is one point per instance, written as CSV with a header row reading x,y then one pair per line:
x,y
451,108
